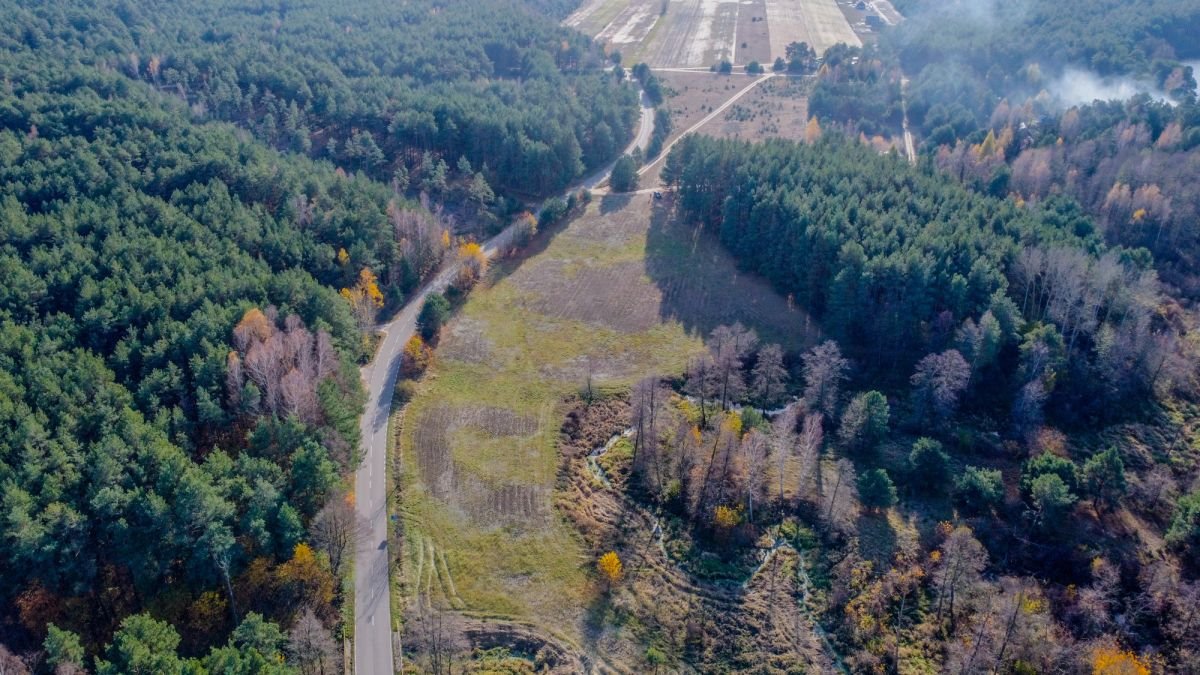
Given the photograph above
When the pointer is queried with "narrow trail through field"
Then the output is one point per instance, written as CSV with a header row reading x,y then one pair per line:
x,y
707,118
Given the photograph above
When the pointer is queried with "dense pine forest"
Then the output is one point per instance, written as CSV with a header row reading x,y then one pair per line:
x,y
372,86
190,193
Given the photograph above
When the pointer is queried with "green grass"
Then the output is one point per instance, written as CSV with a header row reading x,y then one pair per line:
x,y
540,571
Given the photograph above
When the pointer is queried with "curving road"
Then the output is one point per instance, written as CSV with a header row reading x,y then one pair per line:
x,y
373,637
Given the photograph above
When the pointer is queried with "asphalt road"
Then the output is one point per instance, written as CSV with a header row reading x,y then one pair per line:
x,y
373,639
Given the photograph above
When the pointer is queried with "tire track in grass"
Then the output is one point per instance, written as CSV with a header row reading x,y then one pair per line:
x,y
448,588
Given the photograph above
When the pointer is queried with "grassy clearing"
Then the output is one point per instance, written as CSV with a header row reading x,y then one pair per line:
x,y
621,292
394,504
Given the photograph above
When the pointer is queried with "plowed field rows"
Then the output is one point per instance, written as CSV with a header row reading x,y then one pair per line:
x,y
700,33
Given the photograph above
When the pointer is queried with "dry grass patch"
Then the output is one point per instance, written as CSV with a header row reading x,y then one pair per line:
x,y
695,95
594,15
753,34
466,341
775,108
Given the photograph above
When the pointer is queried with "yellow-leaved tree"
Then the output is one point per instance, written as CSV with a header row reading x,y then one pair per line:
x,y
417,356
725,518
473,263
1110,659
365,298
732,423
305,580
611,569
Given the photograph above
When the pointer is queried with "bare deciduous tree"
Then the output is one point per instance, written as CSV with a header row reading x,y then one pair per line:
x,y
769,374
646,452
10,664
939,380
286,365
756,453
1027,409
824,371
1013,625
421,235
962,559
335,531
812,437
1091,612
311,646
729,346
436,639
699,383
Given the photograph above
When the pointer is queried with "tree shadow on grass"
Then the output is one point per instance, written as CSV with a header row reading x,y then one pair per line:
x,y
504,265
702,288
876,538
612,203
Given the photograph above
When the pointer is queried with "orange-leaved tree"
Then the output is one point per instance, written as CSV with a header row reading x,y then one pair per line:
x,y
365,298
611,569
254,326
812,131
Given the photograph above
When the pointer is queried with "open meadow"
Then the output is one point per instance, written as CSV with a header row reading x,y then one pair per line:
x,y
622,291
700,33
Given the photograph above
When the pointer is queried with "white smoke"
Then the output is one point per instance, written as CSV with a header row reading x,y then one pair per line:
x,y
1080,87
